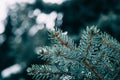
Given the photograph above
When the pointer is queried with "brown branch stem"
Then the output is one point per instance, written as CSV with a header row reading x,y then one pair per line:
x,y
89,44
110,45
60,54
92,69
61,41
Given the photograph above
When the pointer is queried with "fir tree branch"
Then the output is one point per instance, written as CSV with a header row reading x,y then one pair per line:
x,y
60,54
61,41
89,44
67,60
110,45
100,58
63,72
92,69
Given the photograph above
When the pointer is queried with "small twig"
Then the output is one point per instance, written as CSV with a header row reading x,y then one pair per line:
x,y
61,41
92,69
89,44
110,45
60,54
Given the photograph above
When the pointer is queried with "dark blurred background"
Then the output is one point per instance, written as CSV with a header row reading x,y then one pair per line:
x,y
24,25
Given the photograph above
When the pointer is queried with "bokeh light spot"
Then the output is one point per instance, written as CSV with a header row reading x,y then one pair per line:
x,y
11,70
54,1
2,28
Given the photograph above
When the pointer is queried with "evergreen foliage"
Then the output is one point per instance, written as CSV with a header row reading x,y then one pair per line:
x,y
97,57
